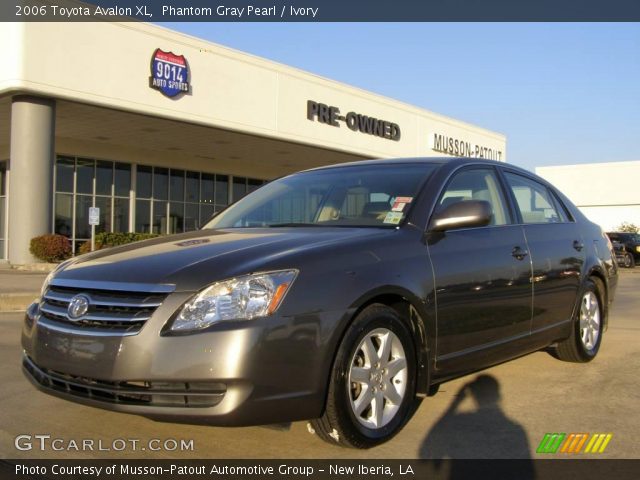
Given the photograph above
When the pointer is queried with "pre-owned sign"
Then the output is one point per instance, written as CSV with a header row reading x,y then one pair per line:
x,y
330,115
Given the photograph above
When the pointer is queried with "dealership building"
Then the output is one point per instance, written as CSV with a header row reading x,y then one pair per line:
x,y
160,130
607,193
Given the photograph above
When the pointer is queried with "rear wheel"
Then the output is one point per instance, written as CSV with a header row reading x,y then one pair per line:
x,y
372,386
586,334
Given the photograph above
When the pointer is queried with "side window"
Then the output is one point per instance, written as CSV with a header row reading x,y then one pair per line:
x,y
562,211
476,184
534,200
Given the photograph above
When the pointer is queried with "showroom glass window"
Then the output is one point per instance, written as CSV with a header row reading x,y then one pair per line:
x,y
172,200
3,207
81,183
243,186
166,201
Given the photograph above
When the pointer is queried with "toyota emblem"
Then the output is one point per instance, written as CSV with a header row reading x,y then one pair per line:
x,y
78,306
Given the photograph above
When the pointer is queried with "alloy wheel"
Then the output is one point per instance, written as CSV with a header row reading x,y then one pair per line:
x,y
377,380
589,320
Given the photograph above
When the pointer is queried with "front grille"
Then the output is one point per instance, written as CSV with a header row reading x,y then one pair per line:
x,y
110,311
159,394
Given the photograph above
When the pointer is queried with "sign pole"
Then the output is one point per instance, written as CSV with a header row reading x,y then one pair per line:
x,y
94,219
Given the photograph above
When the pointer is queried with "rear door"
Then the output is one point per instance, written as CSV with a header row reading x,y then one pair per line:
x,y
556,248
482,277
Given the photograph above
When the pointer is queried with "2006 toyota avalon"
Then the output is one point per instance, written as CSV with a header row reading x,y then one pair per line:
x,y
341,294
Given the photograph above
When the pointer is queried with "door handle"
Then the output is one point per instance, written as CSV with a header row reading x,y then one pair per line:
x,y
578,245
519,253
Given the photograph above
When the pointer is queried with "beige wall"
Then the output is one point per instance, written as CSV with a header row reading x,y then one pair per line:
x,y
610,217
11,46
108,64
607,193
591,184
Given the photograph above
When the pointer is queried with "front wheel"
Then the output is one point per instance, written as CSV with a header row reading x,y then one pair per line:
x,y
372,385
586,334
629,261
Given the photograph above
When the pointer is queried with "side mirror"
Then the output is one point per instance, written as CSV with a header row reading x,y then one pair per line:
x,y
464,214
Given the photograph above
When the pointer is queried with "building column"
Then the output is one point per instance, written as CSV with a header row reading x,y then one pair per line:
x,y
31,167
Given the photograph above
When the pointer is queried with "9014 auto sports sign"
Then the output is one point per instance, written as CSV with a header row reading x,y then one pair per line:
x,y
169,73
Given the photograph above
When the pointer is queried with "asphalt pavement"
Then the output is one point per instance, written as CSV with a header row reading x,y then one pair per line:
x,y
526,398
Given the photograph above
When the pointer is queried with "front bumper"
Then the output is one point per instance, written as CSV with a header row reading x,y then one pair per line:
x,y
263,371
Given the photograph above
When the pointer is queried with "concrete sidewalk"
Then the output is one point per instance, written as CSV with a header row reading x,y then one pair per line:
x,y
19,288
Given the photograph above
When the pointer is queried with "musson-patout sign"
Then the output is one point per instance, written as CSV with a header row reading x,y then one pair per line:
x,y
459,147
169,73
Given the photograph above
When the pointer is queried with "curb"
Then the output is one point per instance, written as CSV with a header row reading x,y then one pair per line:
x,y
35,267
16,302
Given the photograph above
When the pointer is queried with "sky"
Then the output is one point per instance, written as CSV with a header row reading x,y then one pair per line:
x,y
562,93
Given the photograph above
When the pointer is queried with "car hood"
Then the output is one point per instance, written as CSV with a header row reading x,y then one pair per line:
x,y
192,260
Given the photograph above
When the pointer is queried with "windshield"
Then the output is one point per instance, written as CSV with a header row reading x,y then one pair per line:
x,y
633,237
359,196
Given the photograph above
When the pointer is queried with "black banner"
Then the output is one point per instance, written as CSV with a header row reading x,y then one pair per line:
x,y
578,469
321,10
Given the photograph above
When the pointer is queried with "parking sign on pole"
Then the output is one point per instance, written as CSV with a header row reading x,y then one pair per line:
x,y
94,219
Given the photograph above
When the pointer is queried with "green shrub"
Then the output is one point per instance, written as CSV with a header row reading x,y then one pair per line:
x,y
50,248
106,240
84,248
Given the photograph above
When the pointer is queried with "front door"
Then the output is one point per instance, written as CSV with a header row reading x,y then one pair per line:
x,y
482,276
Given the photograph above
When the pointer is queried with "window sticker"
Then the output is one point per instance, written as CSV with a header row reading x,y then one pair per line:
x,y
400,203
393,217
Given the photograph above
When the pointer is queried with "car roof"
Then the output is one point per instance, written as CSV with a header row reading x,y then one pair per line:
x,y
452,161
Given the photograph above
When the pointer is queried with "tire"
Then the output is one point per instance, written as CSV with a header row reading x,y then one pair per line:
x,y
586,333
372,389
629,261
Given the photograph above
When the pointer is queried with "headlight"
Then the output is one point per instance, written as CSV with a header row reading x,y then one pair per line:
x,y
241,298
638,249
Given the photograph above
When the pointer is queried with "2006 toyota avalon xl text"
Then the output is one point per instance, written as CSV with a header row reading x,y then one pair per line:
x,y
341,294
